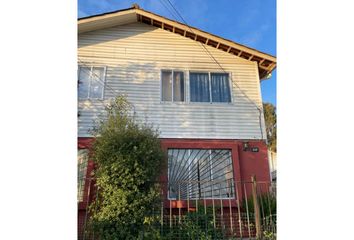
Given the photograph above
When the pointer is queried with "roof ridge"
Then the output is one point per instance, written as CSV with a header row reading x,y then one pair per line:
x,y
106,13
266,62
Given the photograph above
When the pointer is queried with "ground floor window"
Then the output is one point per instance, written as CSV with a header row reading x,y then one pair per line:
x,y
82,159
200,173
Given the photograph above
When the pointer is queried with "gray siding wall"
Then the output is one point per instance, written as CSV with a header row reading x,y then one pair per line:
x,y
134,56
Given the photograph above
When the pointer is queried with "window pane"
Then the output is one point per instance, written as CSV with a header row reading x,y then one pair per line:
x,y
220,88
205,175
222,173
172,164
199,87
178,86
200,173
84,78
166,86
178,169
194,176
97,83
82,158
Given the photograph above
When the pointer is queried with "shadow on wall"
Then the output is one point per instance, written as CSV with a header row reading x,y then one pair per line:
x,y
140,82
200,119
137,81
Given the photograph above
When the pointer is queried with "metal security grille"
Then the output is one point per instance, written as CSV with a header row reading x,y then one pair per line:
x,y
200,173
250,215
81,175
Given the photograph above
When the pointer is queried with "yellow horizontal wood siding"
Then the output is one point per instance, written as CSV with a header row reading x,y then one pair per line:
x,y
135,54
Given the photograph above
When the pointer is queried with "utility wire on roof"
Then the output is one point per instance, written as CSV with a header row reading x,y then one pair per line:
x,y
208,52
210,55
168,9
217,62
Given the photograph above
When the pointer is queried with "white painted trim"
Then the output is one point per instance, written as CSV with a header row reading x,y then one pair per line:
x,y
264,132
231,87
102,81
172,95
89,83
210,93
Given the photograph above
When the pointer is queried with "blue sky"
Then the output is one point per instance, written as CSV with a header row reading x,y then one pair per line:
x,y
248,22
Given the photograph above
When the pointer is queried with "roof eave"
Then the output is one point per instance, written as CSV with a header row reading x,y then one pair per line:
x,y
266,62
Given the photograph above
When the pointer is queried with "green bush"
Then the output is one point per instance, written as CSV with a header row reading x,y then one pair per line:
x,y
194,225
267,204
128,159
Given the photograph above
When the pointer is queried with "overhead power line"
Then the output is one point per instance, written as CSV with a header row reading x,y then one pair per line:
x,y
217,62
168,9
204,48
209,53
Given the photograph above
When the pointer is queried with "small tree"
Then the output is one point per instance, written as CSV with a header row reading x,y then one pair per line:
x,y
128,159
270,117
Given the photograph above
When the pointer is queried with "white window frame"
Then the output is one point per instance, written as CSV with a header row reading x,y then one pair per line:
x,y
103,81
210,93
172,95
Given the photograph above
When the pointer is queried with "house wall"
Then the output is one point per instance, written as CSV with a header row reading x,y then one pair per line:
x,y
135,54
245,165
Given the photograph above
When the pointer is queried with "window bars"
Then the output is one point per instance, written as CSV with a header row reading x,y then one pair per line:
x,y
200,173
216,218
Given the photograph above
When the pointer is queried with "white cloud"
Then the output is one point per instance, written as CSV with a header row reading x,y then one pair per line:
x,y
254,37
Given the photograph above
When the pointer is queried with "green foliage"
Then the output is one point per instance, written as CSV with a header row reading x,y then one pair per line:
x,y
267,205
268,210
270,117
128,160
269,235
195,225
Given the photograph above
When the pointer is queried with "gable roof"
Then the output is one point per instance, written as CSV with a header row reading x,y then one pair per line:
x,y
266,62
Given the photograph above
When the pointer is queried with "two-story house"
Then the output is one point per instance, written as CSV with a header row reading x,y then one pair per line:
x,y
202,92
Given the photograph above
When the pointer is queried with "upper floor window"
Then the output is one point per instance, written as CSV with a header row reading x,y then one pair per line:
x,y
172,86
91,82
209,87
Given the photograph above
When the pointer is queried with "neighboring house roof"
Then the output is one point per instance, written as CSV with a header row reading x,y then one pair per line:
x,y
266,62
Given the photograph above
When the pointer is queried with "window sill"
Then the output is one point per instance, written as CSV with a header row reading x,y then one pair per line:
x,y
230,202
197,103
211,103
90,99
171,103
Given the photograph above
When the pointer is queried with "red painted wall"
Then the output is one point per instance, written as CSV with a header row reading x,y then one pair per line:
x,y
245,163
254,163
